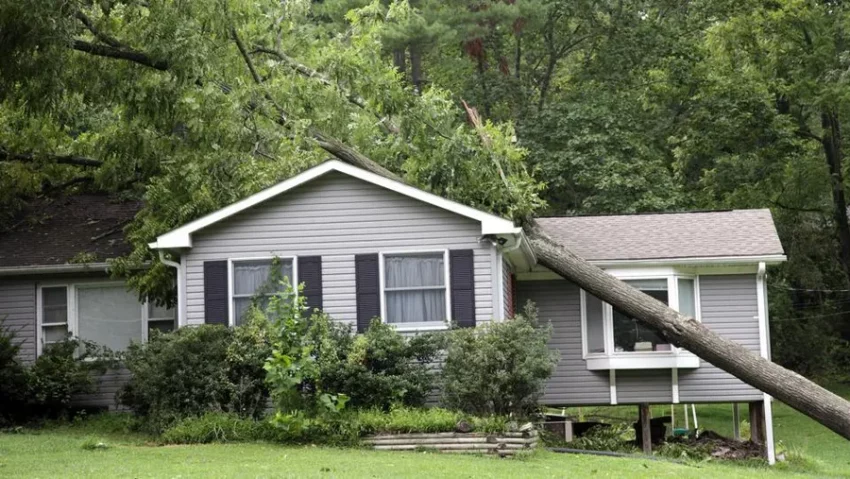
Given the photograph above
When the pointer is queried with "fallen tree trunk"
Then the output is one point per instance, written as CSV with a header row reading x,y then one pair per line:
x,y
789,387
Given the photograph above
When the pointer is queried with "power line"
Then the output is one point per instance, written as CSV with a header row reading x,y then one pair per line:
x,y
811,290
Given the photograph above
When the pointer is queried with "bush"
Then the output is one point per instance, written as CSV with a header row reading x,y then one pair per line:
x,y
381,367
500,368
196,370
46,388
619,437
422,420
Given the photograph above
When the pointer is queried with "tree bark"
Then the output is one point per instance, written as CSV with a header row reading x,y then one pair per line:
x,y
789,387
831,141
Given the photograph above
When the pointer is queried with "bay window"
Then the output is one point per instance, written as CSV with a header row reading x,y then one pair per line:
x,y
252,280
415,289
613,340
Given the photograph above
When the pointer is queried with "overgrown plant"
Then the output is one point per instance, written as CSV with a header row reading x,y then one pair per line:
x,y
300,343
499,368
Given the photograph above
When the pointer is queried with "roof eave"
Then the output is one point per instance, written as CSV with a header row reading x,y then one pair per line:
x,y
55,268
709,260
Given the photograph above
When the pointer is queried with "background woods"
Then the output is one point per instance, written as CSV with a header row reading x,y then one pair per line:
x,y
585,107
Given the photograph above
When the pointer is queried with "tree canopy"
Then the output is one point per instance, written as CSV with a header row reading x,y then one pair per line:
x,y
521,107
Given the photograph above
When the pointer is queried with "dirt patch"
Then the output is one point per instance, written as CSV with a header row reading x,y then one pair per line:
x,y
720,447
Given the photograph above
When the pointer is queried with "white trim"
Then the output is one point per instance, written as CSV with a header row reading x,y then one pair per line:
x,y
651,360
764,349
415,327
704,260
500,291
612,382
231,321
540,273
182,236
582,294
674,380
768,428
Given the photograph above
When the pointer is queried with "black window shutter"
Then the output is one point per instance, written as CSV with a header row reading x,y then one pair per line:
x,y
215,292
366,272
310,273
462,275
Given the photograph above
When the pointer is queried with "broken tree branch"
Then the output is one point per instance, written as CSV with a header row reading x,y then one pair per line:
x,y
6,155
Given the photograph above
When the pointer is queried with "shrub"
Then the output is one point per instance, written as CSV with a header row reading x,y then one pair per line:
x,y
46,388
381,367
14,385
500,368
617,437
195,370
425,420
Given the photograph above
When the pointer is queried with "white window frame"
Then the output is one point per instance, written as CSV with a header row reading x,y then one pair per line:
x,y
71,288
611,359
421,326
231,321
147,319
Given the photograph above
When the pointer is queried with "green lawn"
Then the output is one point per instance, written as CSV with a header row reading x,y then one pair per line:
x,y
60,452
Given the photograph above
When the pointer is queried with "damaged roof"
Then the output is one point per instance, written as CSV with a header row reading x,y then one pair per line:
x,y
664,236
66,230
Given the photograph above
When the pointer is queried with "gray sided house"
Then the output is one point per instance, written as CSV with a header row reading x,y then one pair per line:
x,y
365,246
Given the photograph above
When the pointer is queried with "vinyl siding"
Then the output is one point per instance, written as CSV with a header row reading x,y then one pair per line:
x,y
728,305
107,386
17,314
558,302
644,386
337,216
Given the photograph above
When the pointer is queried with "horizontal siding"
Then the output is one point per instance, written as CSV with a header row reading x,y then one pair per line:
x,y
17,314
644,386
558,302
506,288
107,386
337,216
729,306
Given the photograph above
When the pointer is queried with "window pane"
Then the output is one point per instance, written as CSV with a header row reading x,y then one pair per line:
x,y
414,270
54,305
649,284
155,311
161,326
629,334
251,277
110,316
53,334
595,324
416,306
240,306
687,298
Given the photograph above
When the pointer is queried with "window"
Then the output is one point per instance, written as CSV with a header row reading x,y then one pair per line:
x,y
629,334
415,288
54,314
253,280
161,318
613,340
106,313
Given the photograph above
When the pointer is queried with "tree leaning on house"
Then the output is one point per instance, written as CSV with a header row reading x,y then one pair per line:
x,y
184,103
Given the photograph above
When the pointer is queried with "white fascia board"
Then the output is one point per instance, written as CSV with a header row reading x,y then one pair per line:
x,y
708,260
182,236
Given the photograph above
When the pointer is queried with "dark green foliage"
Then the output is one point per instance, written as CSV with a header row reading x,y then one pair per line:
x,y
14,383
45,389
381,367
196,370
500,368
619,437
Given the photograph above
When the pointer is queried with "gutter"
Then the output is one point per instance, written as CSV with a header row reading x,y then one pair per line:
x,y
181,286
57,268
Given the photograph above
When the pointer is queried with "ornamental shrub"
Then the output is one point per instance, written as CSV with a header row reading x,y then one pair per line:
x,y
14,386
500,368
195,370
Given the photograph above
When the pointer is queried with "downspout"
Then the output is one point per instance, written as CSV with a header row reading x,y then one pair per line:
x,y
181,287
761,298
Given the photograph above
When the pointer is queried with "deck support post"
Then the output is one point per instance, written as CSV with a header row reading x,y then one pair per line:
x,y
645,428
757,433
736,422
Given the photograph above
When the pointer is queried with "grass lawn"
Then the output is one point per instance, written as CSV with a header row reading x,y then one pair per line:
x,y
66,452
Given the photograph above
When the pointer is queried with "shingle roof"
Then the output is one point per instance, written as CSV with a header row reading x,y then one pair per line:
x,y
52,232
667,235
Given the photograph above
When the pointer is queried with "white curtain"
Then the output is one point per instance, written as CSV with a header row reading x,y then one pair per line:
x,y
687,301
110,316
252,277
595,324
403,275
